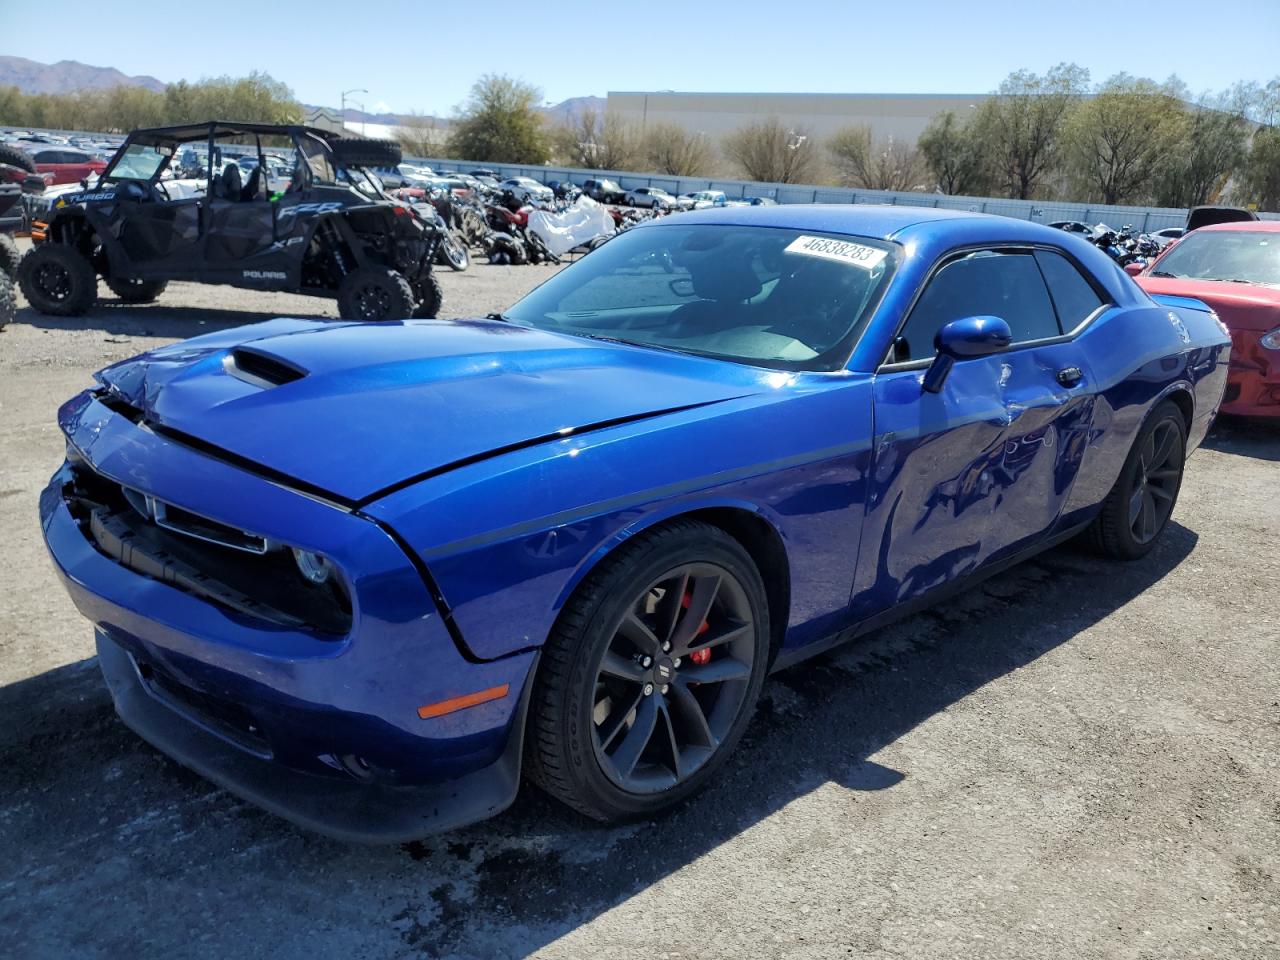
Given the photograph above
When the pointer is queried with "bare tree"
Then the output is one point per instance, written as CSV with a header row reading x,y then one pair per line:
x,y
889,164
1022,123
598,141
420,135
770,151
670,149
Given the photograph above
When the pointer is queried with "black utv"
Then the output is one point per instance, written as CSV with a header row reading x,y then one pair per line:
x,y
223,202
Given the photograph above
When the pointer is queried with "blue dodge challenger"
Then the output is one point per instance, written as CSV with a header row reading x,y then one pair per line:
x,y
369,575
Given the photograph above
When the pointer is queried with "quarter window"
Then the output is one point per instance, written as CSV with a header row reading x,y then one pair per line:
x,y
1073,295
985,283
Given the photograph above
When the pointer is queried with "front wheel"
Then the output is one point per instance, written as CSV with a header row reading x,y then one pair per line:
x,y
453,253
651,674
8,300
375,293
10,256
57,280
1138,508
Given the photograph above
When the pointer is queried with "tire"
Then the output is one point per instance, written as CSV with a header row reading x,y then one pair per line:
x,y
574,718
453,253
57,280
17,158
10,256
375,294
430,298
360,152
137,291
1138,508
8,300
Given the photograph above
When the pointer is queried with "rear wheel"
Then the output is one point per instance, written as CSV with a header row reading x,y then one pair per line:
x,y
57,280
375,293
10,256
651,674
137,291
1138,507
13,157
8,300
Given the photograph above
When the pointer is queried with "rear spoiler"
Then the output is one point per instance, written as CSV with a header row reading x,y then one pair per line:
x,y
1182,303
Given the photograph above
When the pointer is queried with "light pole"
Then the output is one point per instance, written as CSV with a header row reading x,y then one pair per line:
x,y
344,106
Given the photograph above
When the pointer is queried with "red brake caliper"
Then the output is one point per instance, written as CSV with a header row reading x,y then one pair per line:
x,y
697,656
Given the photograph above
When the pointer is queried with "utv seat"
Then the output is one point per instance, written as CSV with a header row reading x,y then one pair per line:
x,y
230,185
253,189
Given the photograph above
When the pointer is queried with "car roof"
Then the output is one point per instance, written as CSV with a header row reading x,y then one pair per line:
x,y
869,220
1261,226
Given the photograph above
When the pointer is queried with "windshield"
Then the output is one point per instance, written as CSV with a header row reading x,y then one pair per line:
x,y
139,162
1247,255
760,295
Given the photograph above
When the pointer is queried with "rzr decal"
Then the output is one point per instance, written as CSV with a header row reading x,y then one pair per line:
x,y
317,208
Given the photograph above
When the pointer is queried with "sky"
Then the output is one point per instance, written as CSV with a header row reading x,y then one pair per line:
x,y
423,56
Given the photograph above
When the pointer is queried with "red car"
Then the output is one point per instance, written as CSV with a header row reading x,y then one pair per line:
x,y
1235,269
66,165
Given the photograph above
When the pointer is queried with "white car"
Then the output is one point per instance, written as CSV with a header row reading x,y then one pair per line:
x,y
651,197
403,175
527,189
702,199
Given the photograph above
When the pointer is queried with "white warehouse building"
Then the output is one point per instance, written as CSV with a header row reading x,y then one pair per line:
x,y
902,116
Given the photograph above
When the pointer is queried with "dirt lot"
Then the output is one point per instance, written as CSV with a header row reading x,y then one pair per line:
x,y
1079,759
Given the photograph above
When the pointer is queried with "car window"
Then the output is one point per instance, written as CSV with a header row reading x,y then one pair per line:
x,y
48,156
768,296
1249,255
985,283
1073,296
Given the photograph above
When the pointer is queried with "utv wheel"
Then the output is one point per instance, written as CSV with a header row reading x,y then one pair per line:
x,y
57,280
374,293
1137,510
137,291
10,256
430,298
651,674
8,300
13,157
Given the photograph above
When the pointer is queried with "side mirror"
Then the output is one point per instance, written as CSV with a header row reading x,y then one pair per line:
x,y
1133,269
961,340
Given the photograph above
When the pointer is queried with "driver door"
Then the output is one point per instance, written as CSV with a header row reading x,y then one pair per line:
x,y
159,220
981,470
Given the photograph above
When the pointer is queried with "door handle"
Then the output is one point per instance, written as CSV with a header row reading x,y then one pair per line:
x,y
1070,376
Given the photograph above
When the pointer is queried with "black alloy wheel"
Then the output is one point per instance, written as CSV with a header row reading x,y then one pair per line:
x,y
1155,486
673,678
651,674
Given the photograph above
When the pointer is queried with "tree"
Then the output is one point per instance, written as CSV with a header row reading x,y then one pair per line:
x,y
598,142
955,155
770,151
887,165
500,123
669,148
1262,170
1022,124
1119,137
1208,149
420,135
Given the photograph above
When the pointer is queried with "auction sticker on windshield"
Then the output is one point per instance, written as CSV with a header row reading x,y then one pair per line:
x,y
842,250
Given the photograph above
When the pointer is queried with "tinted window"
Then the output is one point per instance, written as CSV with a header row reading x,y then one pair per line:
x,y
48,156
1073,295
986,283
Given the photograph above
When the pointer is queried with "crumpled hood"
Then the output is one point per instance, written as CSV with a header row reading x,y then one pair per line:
x,y
1241,306
354,409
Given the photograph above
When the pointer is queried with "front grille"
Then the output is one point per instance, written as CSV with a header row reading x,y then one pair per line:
x,y
265,585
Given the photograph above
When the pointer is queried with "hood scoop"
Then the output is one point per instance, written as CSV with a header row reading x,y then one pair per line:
x,y
261,369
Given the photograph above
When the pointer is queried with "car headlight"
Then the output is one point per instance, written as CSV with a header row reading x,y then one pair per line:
x,y
1271,340
313,566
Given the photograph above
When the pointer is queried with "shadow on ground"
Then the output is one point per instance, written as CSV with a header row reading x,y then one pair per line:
x,y
1246,437
108,848
158,319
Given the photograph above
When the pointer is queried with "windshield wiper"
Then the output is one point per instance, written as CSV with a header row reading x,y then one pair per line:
x,y
1164,273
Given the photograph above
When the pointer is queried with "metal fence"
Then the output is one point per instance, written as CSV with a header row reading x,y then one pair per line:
x,y
1144,219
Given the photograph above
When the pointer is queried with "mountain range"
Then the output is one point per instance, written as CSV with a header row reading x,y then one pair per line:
x,y
70,76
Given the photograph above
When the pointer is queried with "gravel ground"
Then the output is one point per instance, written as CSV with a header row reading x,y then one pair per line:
x,y
1077,759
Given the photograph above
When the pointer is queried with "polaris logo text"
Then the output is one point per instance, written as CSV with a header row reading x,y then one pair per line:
x,y
265,275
